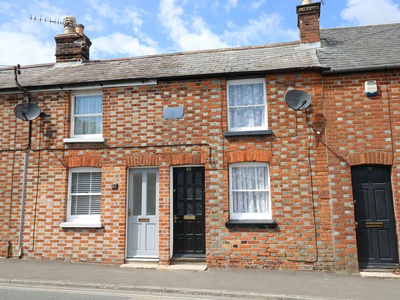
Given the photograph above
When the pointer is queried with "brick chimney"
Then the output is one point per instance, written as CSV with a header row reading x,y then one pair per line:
x,y
308,22
73,45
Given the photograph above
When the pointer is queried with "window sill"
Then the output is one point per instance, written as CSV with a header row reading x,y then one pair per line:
x,y
251,223
84,140
81,225
247,133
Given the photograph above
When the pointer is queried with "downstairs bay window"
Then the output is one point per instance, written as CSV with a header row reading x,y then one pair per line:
x,y
84,198
249,192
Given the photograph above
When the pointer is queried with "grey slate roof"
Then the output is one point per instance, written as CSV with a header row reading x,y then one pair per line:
x,y
185,64
342,48
360,47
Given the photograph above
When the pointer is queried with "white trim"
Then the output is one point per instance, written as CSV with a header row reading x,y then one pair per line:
x,y
88,139
242,82
249,216
81,225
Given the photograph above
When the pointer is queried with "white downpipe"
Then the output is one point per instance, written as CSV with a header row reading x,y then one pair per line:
x,y
21,218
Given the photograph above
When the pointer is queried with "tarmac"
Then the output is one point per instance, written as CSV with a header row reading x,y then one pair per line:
x,y
184,280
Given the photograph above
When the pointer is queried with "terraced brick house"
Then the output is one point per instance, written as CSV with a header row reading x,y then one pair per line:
x,y
283,156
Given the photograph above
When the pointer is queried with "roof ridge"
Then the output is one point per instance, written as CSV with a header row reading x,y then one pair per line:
x,y
182,53
361,26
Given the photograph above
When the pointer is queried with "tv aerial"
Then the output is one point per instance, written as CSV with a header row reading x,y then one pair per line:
x,y
297,99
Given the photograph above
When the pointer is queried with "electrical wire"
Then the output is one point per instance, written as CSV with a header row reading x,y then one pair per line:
x,y
313,206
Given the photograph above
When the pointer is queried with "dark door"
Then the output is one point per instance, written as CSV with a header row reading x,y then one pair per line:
x,y
189,217
374,213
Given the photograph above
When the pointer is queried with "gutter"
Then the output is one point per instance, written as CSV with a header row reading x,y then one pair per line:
x,y
154,80
362,69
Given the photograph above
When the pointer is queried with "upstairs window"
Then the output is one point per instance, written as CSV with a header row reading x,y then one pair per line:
x,y
249,191
87,116
247,105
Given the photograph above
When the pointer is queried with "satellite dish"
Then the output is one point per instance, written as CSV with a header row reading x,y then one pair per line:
x,y
298,100
27,111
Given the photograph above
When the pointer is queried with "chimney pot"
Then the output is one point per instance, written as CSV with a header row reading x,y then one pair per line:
x,y
304,2
79,29
69,24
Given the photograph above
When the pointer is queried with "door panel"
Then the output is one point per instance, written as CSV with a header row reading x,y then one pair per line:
x,y
189,211
142,240
374,214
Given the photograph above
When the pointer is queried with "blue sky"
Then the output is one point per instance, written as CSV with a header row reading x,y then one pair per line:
x,y
126,28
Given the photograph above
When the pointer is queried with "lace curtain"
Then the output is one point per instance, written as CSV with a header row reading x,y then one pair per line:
x,y
246,105
250,189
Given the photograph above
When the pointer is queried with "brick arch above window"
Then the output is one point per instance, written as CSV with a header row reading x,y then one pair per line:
x,y
83,161
248,156
372,157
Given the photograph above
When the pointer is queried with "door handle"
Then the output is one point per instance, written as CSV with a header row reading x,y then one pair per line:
x,y
176,218
356,224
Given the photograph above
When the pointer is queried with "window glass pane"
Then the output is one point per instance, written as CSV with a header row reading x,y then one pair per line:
x,y
247,117
151,193
80,205
95,205
85,105
246,94
137,194
96,182
88,125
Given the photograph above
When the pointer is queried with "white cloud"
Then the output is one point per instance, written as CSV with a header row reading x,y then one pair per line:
x,y
24,49
370,12
192,34
257,4
264,30
231,4
118,44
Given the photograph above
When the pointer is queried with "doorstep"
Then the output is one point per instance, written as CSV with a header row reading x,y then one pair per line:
x,y
184,263
379,273
140,264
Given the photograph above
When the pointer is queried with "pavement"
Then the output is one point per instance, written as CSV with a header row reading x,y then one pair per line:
x,y
231,283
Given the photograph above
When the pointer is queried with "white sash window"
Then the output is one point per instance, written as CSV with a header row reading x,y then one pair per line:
x,y
249,187
247,105
84,201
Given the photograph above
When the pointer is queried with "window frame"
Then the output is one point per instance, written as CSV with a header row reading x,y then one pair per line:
x,y
97,137
264,126
267,216
88,218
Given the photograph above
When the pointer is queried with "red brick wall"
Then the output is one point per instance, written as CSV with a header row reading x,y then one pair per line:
x,y
310,172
